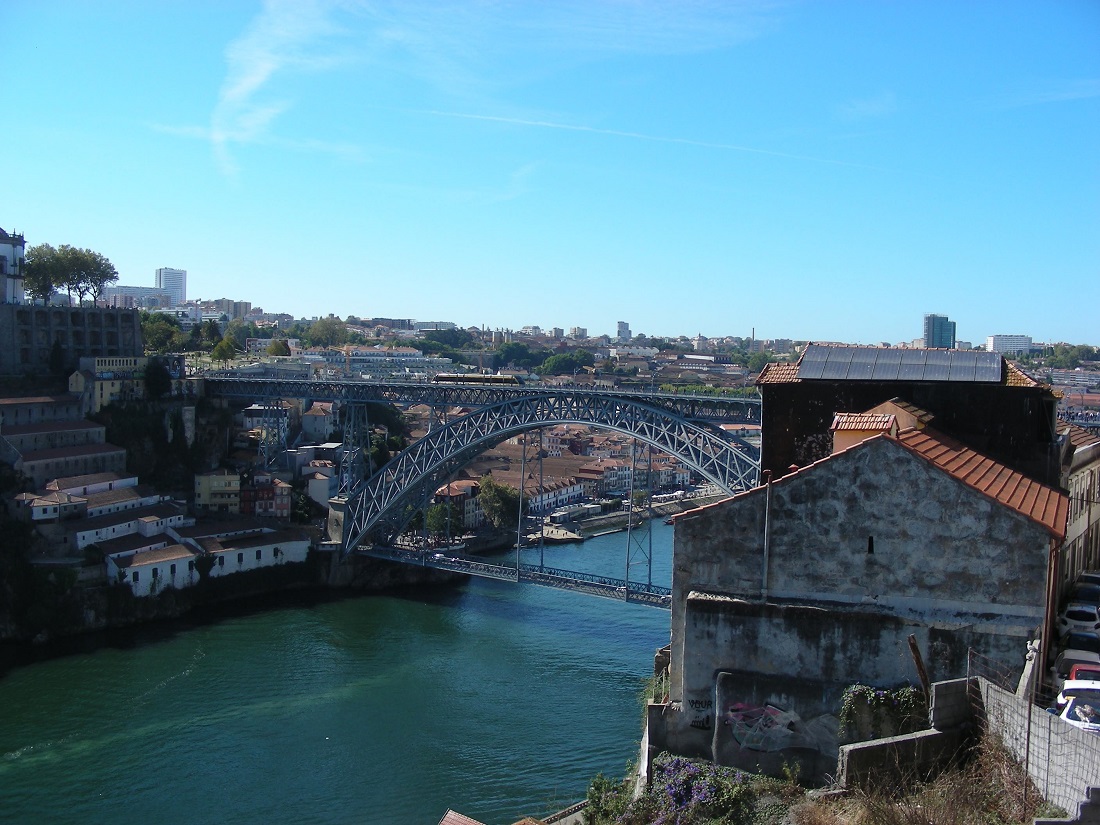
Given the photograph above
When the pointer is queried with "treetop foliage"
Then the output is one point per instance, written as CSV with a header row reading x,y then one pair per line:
x,y
83,271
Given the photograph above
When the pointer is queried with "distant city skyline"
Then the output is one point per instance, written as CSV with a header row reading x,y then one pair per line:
x,y
804,169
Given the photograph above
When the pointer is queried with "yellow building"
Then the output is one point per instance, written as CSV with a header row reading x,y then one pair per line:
x,y
218,492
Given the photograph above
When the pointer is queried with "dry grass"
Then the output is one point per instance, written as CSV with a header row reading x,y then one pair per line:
x,y
991,788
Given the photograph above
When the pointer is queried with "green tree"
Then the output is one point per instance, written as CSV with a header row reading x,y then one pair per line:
x,y
96,272
223,351
211,332
41,271
516,354
82,271
444,519
157,380
566,363
499,502
452,338
278,346
327,332
758,360
161,333
241,330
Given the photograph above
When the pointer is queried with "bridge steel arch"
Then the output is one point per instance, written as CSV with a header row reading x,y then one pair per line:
x,y
431,459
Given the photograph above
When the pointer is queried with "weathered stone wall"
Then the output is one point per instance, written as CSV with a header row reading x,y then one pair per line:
x,y
945,564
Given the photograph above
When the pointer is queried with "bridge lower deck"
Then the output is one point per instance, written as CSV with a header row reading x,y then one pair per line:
x,y
595,585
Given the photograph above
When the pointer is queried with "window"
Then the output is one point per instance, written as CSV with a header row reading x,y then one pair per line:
x,y
240,558
172,571
155,571
258,554
221,561
190,567
134,576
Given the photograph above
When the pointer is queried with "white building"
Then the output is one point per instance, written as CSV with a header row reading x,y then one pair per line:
x,y
148,572
239,554
1008,344
11,268
174,282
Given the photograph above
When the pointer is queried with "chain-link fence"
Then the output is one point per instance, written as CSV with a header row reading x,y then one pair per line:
x,y
1063,760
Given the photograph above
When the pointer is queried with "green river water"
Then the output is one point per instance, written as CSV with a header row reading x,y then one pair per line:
x,y
494,699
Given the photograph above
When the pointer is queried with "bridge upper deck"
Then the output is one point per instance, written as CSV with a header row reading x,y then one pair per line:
x,y
691,407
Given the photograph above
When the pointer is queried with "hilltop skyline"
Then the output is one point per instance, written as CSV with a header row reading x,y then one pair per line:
x,y
831,172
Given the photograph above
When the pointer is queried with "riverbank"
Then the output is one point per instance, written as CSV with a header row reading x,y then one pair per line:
x,y
76,608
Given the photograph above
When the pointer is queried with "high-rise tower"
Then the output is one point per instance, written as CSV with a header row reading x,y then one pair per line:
x,y
173,282
939,332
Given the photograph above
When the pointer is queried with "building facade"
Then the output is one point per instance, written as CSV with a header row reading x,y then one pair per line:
x,y
785,595
174,283
1008,344
939,332
39,338
11,267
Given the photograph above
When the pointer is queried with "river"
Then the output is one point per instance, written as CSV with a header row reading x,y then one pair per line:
x,y
494,699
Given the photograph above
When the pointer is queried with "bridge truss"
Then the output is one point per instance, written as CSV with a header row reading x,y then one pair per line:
x,y
379,507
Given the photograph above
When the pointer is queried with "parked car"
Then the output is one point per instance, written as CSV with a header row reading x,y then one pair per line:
x,y
1081,617
1073,687
1082,709
1085,673
1078,641
1065,663
1084,594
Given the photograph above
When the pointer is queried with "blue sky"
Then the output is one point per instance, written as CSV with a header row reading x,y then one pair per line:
x,y
817,170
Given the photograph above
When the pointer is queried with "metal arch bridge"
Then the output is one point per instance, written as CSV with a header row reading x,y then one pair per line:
x,y
438,454
681,425
691,407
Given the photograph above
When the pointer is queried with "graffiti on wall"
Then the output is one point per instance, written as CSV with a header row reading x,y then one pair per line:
x,y
701,713
764,728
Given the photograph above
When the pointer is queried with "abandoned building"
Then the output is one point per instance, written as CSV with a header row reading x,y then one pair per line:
x,y
873,525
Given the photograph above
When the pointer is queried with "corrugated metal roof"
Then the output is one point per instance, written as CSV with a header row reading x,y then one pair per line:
x,y
872,370
862,421
1038,502
455,818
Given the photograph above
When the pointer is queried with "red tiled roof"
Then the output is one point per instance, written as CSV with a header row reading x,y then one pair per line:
x,y
779,373
1016,377
923,416
173,552
1037,502
1079,437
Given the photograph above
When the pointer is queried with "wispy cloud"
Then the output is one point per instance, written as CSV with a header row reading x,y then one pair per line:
x,y
703,144
467,52
1060,92
868,108
286,35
